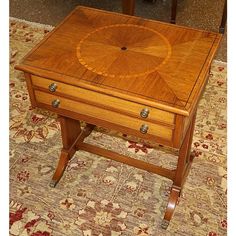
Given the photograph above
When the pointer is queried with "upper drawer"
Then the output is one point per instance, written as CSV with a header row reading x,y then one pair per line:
x,y
103,100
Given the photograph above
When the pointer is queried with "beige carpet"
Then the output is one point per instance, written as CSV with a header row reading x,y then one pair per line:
x,y
99,197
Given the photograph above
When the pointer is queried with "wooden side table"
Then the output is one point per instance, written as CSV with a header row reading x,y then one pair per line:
x,y
140,77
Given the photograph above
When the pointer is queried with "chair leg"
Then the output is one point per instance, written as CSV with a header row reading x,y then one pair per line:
x,y
173,11
128,7
223,19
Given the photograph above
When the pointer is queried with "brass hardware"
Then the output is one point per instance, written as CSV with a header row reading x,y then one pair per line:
x,y
52,87
55,103
144,113
144,128
53,183
164,224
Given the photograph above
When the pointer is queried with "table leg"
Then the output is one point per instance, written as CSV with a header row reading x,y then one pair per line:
x,y
128,7
71,135
183,167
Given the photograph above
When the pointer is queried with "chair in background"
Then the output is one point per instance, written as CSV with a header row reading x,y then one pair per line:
x,y
173,11
223,19
129,5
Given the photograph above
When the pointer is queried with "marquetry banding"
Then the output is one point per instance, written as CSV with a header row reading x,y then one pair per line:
x,y
119,50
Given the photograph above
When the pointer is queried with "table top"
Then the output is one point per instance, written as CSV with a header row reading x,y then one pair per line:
x,y
155,63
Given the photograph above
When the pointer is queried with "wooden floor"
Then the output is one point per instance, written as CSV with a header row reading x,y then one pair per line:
x,y
202,14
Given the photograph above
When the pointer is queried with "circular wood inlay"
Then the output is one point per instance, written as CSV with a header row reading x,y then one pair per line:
x,y
123,50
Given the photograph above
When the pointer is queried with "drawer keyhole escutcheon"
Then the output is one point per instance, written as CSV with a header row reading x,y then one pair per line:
x,y
144,128
52,87
144,113
55,103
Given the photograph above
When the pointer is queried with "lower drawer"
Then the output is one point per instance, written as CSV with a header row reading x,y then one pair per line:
x,y
65,104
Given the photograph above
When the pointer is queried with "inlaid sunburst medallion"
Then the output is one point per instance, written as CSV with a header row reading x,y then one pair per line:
x,y
123,50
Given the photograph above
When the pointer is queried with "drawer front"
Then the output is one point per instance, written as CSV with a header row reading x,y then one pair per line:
x,y
104,101
81,108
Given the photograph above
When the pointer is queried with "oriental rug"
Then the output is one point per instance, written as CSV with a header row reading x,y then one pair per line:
x,y
100,197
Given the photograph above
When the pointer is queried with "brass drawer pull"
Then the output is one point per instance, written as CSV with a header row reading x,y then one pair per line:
x,y
52,87
144,113
55,103
144,128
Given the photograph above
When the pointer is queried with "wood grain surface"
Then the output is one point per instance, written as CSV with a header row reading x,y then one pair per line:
x,y
104,101
134,58
164,132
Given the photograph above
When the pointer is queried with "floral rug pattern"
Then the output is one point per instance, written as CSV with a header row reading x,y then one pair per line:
x,y
100,197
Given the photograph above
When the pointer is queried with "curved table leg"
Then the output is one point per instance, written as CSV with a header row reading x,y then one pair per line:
x,y
61,166
181,172
173,200
72,135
